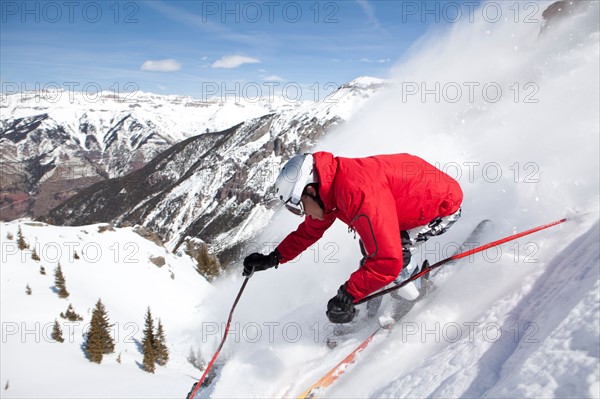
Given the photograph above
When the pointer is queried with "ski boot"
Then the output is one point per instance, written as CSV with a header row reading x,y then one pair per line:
x,y
406,300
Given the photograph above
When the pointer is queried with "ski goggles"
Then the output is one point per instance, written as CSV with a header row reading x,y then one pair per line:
x,y
295,208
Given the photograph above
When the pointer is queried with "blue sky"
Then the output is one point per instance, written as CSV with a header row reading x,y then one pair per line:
x,y
197,47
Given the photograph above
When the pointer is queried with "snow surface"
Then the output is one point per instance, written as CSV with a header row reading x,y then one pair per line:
x,y
521,164
522,320
114,266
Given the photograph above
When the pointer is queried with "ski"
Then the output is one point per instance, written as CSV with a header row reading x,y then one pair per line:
x,y
402,306
472,239
319,387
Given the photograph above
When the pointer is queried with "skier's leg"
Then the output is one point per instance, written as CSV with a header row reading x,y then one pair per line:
x,y
411,290
436,227
405,297
374,304
411,240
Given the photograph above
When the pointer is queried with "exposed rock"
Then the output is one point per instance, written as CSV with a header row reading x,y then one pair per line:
x,y
106,227
148,234
158,260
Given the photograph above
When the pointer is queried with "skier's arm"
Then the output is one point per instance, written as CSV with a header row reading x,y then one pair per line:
x,y
308,232
376,222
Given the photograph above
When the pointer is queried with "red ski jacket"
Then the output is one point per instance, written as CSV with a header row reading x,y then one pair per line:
x,y
377,197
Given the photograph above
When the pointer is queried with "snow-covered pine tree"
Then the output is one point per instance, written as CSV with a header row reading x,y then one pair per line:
x,y
148,344
57,332
28,290
60,283
192,357
160,350
196,359
42,270
99,341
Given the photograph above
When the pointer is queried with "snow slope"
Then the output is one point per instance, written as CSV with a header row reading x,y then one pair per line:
x,y
114,266
539,341
521,320
501,324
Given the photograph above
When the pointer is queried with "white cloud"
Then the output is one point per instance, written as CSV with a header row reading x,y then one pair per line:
x,y
273,78
161,66
378,61
233,61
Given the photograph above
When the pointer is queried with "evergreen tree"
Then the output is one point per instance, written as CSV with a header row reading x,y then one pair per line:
x,y
119,358
148,344
75,255
192,359
28,290
34,255
99,342
57,332
9,236
161,351
21,243
208,265
196,359
60,283
70,314
42,270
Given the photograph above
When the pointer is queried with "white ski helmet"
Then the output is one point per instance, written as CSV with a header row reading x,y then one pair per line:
x,y
295,175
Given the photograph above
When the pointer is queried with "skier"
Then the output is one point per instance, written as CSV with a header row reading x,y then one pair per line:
x,y
394,202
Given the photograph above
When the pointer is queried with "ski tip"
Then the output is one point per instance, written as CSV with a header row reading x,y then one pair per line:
x,y
576,215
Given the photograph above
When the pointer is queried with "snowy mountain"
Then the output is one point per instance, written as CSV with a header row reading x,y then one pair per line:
x,y
520,320
55,143
212,185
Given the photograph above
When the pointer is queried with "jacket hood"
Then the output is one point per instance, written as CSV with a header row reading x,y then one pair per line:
x,y
326,167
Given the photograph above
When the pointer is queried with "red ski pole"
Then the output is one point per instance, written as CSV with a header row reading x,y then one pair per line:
x,y
198,384
461,255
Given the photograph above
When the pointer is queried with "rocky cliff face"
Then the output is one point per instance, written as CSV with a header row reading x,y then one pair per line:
x,y
53,145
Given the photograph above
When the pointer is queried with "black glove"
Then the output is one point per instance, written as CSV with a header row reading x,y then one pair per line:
x,y
256,262
340,308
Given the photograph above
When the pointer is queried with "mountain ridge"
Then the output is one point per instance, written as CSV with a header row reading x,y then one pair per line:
x,y
210,184
52,151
